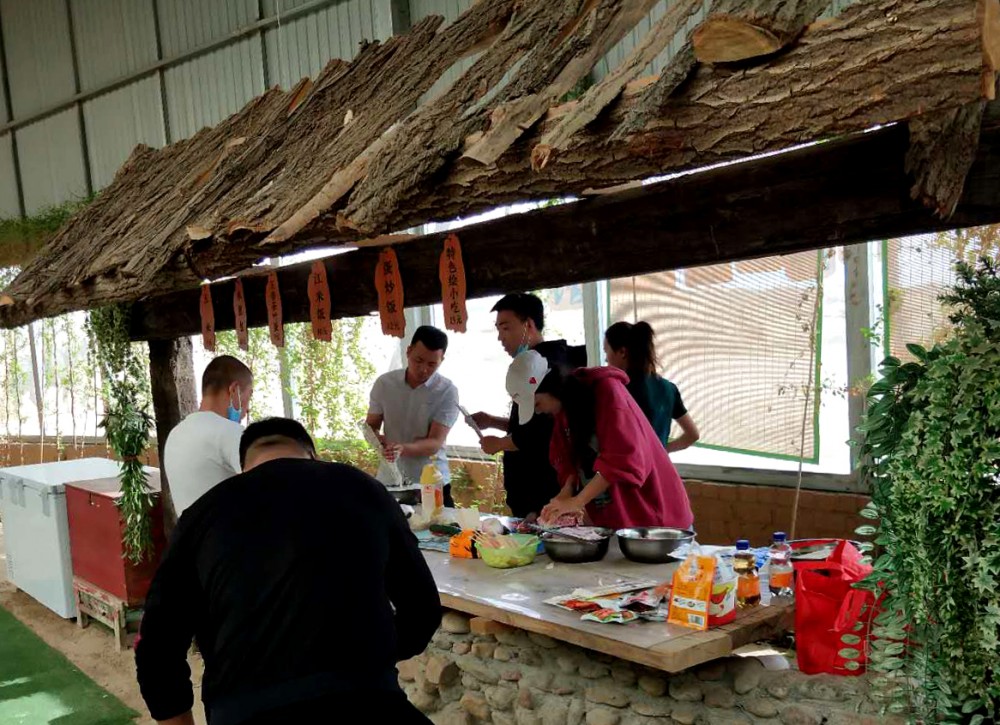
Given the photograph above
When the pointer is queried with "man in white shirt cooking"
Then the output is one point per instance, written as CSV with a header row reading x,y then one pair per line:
x,y
417,406
203,450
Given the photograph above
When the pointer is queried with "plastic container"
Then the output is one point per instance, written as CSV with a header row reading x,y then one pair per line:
x,y
510,557
748,581
431,490
780,574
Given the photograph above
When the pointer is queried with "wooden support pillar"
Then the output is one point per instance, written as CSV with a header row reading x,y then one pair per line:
x,y
171,375
857,282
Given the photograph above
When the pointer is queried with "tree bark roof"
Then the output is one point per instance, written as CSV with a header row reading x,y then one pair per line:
x,y
357,153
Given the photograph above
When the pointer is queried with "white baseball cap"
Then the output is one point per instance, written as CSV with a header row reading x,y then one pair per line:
x,y
524,376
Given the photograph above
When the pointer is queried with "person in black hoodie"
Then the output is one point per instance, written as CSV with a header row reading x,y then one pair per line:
x,y
528,476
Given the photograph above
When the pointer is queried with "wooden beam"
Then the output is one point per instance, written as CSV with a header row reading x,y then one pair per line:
x,y
171,375
836,193
738,30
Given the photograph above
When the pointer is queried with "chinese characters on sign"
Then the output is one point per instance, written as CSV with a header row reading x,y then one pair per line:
x,y
240,315
319,302
207,319
452,273
389,285
274,322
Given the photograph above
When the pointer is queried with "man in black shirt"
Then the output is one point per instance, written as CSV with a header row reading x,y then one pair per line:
x,y
303,586
528,476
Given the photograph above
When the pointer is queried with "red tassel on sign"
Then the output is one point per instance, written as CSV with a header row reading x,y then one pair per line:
x,y
240,314
274,321
319,302
207,319
389,284
451,270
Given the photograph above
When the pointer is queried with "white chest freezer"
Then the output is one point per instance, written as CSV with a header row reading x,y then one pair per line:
x,y
36,533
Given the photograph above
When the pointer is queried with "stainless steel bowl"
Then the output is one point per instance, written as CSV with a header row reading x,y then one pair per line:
x,y
572,551
652,545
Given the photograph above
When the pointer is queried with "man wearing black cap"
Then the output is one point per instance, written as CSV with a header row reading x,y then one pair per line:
x,y
303,586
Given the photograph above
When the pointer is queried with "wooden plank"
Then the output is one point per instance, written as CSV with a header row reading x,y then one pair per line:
x,y
171,375
841,192
515,598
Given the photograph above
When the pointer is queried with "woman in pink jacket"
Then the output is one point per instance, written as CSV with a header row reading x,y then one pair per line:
x,y
607,455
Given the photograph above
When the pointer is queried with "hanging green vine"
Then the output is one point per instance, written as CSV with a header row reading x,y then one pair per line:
x,y
127,422
931,454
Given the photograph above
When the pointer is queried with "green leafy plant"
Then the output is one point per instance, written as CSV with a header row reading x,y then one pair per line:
x,y
20,238
931,455
127,422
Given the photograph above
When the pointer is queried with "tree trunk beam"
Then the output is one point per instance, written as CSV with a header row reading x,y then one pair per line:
x,y
738,30
942,148
842,192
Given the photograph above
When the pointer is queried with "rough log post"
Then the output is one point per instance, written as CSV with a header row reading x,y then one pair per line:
x,y
171,376
738,30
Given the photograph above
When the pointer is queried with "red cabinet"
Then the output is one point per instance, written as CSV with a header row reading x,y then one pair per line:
x,y
95,539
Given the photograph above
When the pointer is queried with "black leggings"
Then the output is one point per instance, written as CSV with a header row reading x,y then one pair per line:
x,y
378,707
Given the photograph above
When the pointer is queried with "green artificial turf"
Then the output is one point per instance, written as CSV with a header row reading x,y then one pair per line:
x,y
38,685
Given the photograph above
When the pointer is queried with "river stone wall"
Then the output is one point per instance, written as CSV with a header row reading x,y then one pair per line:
x,y
478,671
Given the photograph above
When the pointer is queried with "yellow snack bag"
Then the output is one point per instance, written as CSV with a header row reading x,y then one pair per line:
x,y
692,591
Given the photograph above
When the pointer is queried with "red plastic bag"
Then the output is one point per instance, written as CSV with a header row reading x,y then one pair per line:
x,y
828,607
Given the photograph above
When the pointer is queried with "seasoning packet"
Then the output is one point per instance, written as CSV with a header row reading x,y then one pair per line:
x,y
640,602
660,614
692,591
610,616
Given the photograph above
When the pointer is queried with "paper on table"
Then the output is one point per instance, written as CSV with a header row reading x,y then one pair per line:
x,y
471,423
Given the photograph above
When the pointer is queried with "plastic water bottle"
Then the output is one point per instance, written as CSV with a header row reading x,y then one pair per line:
x,y
780,571
748,582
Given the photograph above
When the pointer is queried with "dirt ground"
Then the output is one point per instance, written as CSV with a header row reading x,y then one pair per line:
x,y
91,649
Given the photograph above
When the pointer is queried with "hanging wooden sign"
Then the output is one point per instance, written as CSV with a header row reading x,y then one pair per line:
x,y
240,316
389,284
274,321
207,318
451,270
319,303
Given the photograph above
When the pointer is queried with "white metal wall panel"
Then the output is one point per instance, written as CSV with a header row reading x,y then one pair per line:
x,y
51,161
36,38
188,24
113,39
8,182
209,88
119,120
302,47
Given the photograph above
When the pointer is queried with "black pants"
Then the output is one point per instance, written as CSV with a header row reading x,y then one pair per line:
x,y
374,707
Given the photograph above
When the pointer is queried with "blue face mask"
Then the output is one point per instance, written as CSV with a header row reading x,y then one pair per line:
x,y
523,347
235,414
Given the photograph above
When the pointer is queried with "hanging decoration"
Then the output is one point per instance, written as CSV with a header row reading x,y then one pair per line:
x,y
319,303
240,316
451,270
274,321
389,284
207,318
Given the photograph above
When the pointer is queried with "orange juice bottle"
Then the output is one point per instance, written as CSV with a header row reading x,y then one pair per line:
x,y
779,569
748,582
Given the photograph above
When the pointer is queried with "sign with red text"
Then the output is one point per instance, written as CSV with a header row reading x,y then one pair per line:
x,y
319,303
207,318
452,273
274,322
240,316
389,285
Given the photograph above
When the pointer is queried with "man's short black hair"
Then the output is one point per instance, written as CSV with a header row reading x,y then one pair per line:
x,y
271,431
432,338
222,372
525,305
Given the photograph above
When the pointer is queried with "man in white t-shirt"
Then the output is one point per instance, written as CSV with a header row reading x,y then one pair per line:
x,y
204,449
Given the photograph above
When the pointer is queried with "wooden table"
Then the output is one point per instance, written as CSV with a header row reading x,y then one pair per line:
x,y
515,597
